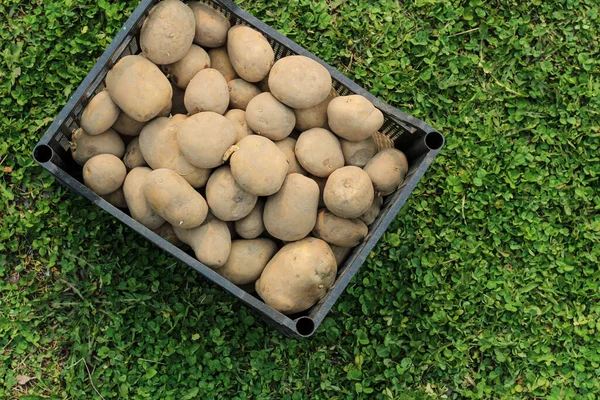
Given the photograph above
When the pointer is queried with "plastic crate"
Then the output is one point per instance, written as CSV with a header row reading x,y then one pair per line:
x,y
419,141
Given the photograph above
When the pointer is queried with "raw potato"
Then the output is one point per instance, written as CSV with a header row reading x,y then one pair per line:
x,y
133,155
264,84
252,226
182,71
85,146
165,112
297,276
226,199
348,192
241,92
258,166
205,137
211,25
291,213
288,146
166,232
104,174
127,126
247,260
353,117
139,88
299,82
321,182
339,231
168,32
316,116
319,152
358,153
178,101
160,149
238,119
270,118
207,91
373,212
250,53
171,197
340,253
100,114
116,198
219,60
387,170
140,210
211,241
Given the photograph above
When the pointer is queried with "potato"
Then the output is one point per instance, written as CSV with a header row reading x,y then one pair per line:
x,y
238,119
139,88
340,253
264,84
353,117
205,137
258,166
297,276
316,116
166,232
100,114
219,60
127,126
178,101
299,82
291,213
251,226
116,198
358,153
104,173
348,192
207,91
250,53
210,241
211,25
133,156
270,118
85,146
247,260
226,199
172,197
387,170
160,149
241,92
319,152
373,212
168,32
288,146
136,200
321,182
339,231
182,71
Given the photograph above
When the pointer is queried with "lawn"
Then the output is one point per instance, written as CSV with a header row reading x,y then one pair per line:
x,y
486,285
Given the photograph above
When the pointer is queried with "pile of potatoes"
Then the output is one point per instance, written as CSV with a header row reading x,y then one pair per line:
x,y
257,165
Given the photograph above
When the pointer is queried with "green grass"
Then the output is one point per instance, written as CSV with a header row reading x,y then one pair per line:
x,y
486,285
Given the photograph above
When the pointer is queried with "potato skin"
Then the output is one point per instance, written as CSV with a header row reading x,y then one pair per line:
x,y
116,198
86,146
160,149
211,25
297,276
207,91
340,253
288,146
387,170
348,192
299,82
100,114
250,53
270,118
136,200
316,116
210,241
205,137
238,119
133,155
168,32
319,152
339,231
104,173
373,212
241,92
139,88
226,199
219,60
127,126
252,226
358,153
321,182
258,166
247,260
171,197
182,71
166,232
353,117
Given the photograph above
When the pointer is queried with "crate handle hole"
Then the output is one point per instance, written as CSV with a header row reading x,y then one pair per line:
x,y
43,153
305,326
434,140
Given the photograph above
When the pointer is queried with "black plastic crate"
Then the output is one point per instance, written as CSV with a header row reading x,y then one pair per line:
x,y
419,141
